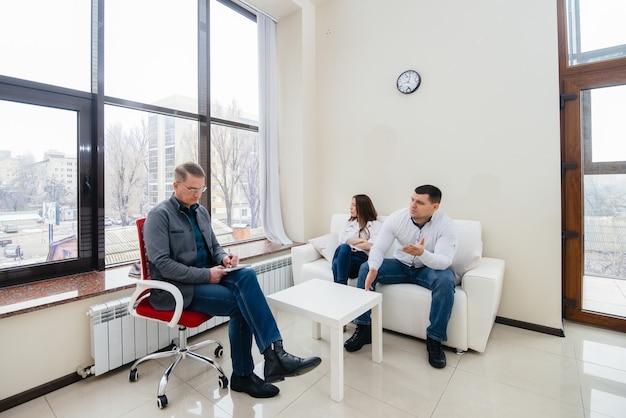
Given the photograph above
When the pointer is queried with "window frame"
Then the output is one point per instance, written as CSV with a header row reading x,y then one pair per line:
x,y
90,143
32,93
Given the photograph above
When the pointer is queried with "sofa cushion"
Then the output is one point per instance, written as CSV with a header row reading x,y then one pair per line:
x,y
318,269
469,249
326,245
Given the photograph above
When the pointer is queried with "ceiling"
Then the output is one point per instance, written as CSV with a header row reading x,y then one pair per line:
x,y
279,8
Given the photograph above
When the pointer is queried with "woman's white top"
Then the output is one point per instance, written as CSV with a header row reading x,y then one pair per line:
x,y
351,230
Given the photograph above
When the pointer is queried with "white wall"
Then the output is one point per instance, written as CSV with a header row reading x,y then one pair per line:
x,y
47,344
483,126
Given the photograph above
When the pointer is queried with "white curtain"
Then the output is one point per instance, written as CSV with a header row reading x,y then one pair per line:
x,y
268,132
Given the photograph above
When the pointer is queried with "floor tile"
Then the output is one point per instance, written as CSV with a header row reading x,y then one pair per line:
x,y
598,345
111,394
469,395
36,408
532,339
529,369
315,402
603,389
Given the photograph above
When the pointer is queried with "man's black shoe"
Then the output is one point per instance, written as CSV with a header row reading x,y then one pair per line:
x,y
362,336
436,356
253,385
280,364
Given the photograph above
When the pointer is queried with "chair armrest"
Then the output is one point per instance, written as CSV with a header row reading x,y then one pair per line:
x,y
141,292
483,286
301,255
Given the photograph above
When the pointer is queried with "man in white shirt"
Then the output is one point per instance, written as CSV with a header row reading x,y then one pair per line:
x,y
427,242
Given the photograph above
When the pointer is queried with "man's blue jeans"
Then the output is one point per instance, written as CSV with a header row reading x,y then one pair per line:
x,y
440,282
239,296
346,263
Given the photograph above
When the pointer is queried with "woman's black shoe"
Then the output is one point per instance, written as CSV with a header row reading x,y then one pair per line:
x,y
362,336
280,364
253,385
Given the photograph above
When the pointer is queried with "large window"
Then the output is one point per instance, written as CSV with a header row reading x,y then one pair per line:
x,y
596,31
593,88
98,103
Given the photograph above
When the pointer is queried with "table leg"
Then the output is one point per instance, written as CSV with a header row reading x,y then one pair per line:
x,y
377,334
336,364
316,330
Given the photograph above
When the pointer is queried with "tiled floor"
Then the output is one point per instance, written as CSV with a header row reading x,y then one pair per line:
x,y
521,374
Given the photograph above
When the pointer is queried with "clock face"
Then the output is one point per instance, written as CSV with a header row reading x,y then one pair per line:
x,y
408,81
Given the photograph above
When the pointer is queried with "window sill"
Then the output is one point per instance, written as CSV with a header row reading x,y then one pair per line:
x,y
43,294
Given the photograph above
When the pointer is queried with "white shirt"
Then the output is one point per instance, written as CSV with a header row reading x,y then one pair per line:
x,y
441,238
352,230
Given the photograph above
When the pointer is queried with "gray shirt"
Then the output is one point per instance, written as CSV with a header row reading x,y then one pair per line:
x,y
172,252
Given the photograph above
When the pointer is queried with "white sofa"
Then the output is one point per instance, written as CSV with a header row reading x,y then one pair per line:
x,y
406,307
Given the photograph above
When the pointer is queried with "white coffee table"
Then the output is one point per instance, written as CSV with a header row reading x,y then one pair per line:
x,y
333,305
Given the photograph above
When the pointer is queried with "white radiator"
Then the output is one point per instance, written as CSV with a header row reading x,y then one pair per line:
x,y
117,338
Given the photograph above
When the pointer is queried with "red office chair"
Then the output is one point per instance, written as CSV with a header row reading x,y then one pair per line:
x,y
139,306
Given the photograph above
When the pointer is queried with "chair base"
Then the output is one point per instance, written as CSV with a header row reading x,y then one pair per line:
x,y
180,352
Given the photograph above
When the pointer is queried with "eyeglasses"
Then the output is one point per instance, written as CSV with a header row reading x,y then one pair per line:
x,y
200,190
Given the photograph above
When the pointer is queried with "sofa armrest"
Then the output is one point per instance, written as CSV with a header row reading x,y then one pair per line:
x,y
483,286
301,255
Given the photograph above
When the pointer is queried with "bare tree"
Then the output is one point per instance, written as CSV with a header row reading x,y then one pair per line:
x,y
55,190
605,195
228,157
14,199
125,155
189,141
23,189
250,179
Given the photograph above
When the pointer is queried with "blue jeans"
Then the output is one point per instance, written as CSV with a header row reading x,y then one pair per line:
x,y
440,282
240,297
346,263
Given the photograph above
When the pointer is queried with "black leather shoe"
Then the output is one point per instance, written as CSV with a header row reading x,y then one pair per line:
x,y
362,336
280,364
436,356
253,385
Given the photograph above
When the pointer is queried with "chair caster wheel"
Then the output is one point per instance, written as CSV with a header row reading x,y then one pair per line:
x,y
219,351
133,375
223,382
162,401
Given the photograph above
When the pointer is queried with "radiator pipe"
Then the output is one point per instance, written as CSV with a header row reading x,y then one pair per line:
x,y
85,371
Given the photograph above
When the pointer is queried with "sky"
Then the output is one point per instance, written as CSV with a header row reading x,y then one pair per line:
x,y
50,128
602,23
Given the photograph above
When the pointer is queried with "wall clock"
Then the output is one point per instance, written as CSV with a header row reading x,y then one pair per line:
x,y
408,81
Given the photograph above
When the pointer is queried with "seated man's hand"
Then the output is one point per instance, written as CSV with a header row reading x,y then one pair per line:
x,y
415,249
216,273
231,260
369,280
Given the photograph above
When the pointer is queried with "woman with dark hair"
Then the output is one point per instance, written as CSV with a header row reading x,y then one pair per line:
x,y
355,239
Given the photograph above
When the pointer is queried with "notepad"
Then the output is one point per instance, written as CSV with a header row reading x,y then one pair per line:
x,y
238,267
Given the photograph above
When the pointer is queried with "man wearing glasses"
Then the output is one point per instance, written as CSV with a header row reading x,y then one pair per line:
x,y
183,250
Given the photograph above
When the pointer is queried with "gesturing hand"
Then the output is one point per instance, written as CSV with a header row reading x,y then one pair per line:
x,y
369,280
415,249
